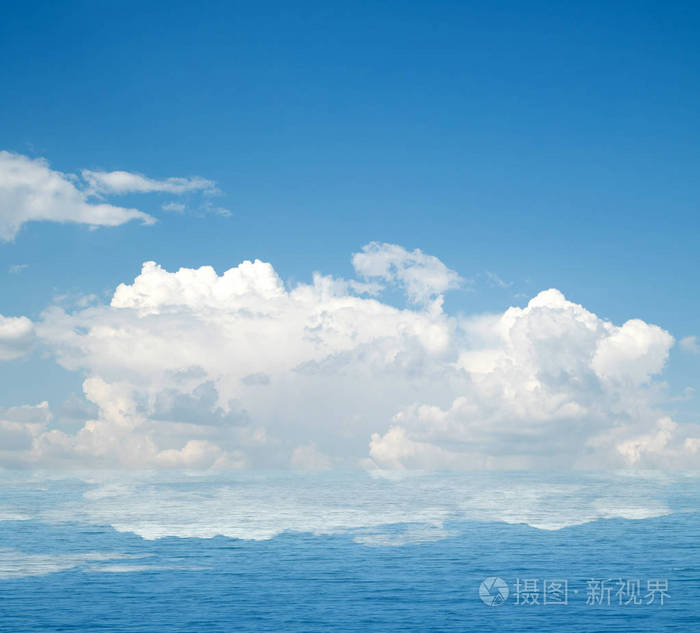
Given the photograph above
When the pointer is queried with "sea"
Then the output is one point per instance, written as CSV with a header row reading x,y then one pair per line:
x,y
382,551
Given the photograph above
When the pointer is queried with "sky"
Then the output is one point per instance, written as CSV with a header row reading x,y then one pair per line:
x,y
458,235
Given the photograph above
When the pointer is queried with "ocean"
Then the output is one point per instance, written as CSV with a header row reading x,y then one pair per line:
x,y
353,551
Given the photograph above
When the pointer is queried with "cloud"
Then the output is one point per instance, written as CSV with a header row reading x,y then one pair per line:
x,y
689,344
424,277
31,191
651,443
308,457
196,369
262,349
16,336
633,352
495,280
15,269
176,207
19,429
551,384
123,182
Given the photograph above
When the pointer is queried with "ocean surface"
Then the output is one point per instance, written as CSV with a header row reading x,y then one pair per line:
x,y
380,551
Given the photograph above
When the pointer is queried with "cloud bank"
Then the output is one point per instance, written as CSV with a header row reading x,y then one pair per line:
x,y
199,370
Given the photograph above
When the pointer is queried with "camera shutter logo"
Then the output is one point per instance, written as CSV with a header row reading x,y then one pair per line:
x,y
493,591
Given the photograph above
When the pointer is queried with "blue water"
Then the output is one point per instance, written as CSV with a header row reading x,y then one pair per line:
x,y
105,553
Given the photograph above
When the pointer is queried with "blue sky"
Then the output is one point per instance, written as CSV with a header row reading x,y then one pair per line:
x,y
548,145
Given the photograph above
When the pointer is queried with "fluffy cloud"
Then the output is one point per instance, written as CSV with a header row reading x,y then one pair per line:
x,y
258,368
203,370
633,352
549,384
423,277
16,336
31,191
20,428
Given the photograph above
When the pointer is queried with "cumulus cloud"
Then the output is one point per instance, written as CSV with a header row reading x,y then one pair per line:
x,y
653,443
197,369
31,191
264,351
16,336
633,352
424,277
20,427
549,384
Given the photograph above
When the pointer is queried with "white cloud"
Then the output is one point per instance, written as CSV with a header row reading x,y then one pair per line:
x,y
424,277
172,335
308,457
497,281
15,269
19,429
16,336
551,384
396,450
690,344
633,352
31,191
652,443
175,207
196,369
207,208
123,182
